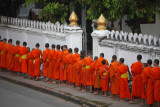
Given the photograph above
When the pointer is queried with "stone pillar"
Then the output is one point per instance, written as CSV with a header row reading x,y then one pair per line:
x,y
97,35
73,37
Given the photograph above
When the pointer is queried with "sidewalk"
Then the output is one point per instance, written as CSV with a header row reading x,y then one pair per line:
x,y
66,92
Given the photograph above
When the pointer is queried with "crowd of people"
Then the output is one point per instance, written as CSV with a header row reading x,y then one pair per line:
x,y
68,67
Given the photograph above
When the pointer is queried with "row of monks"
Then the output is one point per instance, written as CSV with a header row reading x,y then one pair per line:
x,y
70,68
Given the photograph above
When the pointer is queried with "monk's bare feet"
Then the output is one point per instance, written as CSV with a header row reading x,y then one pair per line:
x,y
37,79
122,100
142,104
54,82
95,93
104,95
46,80
131,102
83,90
78,88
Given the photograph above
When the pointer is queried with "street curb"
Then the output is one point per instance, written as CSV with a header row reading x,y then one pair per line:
x,y
47,91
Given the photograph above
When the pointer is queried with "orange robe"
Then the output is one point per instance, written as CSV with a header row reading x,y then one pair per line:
x,y
36,53
79,72
76,58
46,62
1,53
147,86
56,70
92,76
113,74
105,79
16,58
136,70
124,91
60,58
23,53
51,63
30,64
69,62
87,71
3,56
65,66
97,83
9,56
155,76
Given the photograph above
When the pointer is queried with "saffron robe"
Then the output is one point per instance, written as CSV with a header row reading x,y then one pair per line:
x,y
105,79
113,74
46,62
30,64
65,65
16,58
147,89
23,53
136,70
124,91
9,56
51,63
92,76
87,71
155,76
60,57
2,55
79,72
75,57
56,70
36,53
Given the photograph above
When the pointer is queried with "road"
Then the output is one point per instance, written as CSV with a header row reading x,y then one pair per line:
x,y
13,95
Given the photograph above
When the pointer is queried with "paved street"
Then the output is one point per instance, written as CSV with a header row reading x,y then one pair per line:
x,y
13,95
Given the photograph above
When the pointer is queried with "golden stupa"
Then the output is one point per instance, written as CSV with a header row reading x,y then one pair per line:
x,y
73,19
101,22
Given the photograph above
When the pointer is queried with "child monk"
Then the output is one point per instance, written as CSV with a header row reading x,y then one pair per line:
x,y
23,59
46,61
97,84
104,72
113,77
147,87
136,70
36,53
16,58
87,73
92,76
65,52
123,81
155,77
51,63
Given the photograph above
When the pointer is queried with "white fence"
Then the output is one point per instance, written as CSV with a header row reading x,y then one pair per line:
x,y
42,32
125,45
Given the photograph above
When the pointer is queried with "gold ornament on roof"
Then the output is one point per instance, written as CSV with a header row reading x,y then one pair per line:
x,y
101,22
73,19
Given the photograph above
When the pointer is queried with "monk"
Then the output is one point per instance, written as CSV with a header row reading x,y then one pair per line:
x,y
46,60
75,56
87,71
92,76
3,54
9,56
51,63
23,59
97,84
124,92
69,64
65,52
16,58
30,65
36,53
147,87
136,70
60,58
79,73
155,77
56,70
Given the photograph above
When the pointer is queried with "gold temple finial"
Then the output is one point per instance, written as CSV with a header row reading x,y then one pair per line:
x,y
73,19
101,22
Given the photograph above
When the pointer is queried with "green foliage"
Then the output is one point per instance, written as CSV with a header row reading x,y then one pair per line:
x,y
55,12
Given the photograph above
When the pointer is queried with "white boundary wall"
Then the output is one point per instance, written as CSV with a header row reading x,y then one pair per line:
x,y
40,32
125,45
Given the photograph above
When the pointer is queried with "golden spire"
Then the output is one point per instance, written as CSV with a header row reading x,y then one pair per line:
x,y
101,22
73,19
